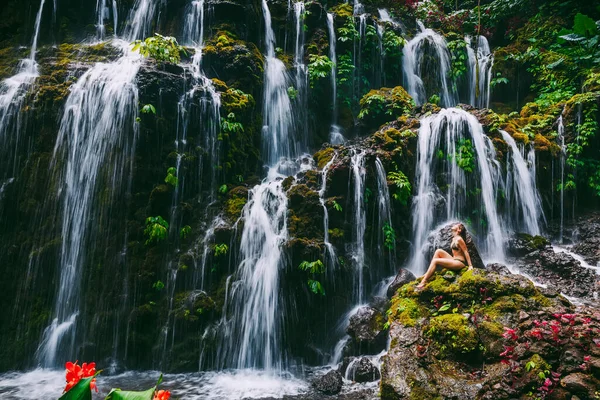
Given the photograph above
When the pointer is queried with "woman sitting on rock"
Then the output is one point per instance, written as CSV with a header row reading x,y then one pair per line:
x,y
458,260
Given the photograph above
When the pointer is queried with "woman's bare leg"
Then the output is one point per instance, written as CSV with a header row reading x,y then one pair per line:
x,y
441,259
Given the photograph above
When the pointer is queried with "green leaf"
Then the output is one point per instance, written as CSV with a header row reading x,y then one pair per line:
x,y
584,25
445,307
118,394
81,391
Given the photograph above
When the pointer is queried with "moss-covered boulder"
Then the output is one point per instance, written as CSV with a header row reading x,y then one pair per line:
x,y
486,336
384,105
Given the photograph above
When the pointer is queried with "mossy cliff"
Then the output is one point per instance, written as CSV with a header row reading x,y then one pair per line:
x,y
483,335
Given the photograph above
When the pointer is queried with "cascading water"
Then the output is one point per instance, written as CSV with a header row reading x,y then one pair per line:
x,y
384,219
449,132
357,168
413,54
103,11
301,81
563,156
481,61
13,91
97,139
523,204
252,337
335,131
329,249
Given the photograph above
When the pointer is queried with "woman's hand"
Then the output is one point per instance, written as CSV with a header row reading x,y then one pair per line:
x,y
470,268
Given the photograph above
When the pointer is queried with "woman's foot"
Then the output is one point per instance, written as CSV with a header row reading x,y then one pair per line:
x,y
420,286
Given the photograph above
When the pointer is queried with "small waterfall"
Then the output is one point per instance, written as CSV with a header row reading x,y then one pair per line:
x,y
96,139
141,20
357,167
384,16
384,218
563,156
329,249
103,10
335,132
414,53
441,137
252,337
481,61
301,72
522,200
13,91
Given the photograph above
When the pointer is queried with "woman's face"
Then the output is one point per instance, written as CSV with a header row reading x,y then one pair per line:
x,y
456,229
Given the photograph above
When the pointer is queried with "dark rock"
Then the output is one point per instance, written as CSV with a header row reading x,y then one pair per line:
x,y
330,383
498,268
380,303
403,277
522,244
588,238
559,271
366,330
442,240
362,370
580,384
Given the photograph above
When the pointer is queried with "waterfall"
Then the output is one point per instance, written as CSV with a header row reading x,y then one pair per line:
x,y
335,131
103,10
384,217
357,168
521,192
442,139
96,144
329,250
413,54
140,20
301,71
13,91
252,337
563,156
481,61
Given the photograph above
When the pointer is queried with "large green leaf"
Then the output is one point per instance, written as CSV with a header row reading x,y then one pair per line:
x,y
118,394
81,391
584,25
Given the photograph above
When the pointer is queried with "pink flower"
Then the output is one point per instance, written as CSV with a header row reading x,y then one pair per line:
x,y
510,334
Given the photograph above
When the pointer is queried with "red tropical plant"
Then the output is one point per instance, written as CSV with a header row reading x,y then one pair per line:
x,y
76,372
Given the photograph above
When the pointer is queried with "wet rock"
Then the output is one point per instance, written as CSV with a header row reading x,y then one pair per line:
x,y
442,240
588,238
522,244
498,268
403,277
367,332
362,370
330,383
559,271
580,384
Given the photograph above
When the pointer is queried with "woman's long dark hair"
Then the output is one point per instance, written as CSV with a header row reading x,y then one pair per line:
x,y
463,231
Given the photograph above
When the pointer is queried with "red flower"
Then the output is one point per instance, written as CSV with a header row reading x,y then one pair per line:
x,y
510,334
162,395
507,351
75,373
537,333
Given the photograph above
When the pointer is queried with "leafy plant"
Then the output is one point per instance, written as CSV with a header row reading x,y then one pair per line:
x,y
158,285
171,177
458,66
185,231
348,31
465,157
318,67
148,109
230,125
156,229
402,185
161,48
223,189
316,287
292,93
313,268
389,236
336,206
498,80
220,249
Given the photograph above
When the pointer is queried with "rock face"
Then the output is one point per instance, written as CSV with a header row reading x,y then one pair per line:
x,y
522,244
402,278
330,383
560,271
442,240
488,336
588,235
367,331
362,370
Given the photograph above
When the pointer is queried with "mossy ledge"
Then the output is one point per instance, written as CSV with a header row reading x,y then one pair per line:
x,y
483,335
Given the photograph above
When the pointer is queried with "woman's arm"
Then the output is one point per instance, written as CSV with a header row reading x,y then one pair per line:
x,y
463,247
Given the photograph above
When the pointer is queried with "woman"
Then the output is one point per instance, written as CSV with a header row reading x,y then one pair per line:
x,y
458,260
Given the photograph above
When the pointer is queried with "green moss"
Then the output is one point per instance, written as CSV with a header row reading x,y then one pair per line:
x,y
491,329
238,197
343,10
336,233
322,157
406,311
452,334
385,104
505,304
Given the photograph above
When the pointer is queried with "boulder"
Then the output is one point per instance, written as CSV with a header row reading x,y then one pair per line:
x,y
442,240
402,278
362,370
521,244
330,383
559,271
498,268
367,331
588,238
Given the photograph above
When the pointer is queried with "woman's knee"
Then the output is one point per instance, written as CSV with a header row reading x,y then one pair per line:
x,y
438,253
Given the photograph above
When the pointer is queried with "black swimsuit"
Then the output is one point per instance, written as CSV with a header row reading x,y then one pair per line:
x,y
454,246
